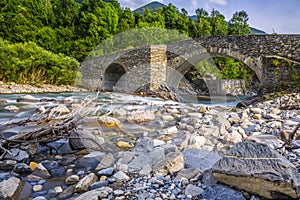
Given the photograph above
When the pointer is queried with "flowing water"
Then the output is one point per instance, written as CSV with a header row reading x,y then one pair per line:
x,y
106,102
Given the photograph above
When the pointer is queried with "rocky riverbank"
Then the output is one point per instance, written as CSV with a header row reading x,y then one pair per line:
x,y
13,88
137,149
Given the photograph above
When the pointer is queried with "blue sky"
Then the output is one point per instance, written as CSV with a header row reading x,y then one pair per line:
x,y
281,16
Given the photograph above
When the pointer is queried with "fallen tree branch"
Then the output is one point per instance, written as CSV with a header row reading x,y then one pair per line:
x,y
289,140
56,128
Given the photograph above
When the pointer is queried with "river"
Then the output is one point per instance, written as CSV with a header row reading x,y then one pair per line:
x,y
106,102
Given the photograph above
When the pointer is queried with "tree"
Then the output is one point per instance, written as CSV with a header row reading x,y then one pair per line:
x,y
238,24
98,20
171,16
66,12
202,26
46,38
201,13
218,24
126,20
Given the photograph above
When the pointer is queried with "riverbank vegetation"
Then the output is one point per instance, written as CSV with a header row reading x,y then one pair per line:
x,y
40,37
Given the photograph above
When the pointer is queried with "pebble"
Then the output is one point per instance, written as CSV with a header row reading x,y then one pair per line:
x,y
121,176
7,164
22,168
72,179
99,184
124,145
11,108
84,184
118,192
106,172
37,188
58,189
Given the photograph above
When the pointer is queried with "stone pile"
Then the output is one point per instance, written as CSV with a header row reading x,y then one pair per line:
x,y
171,151
13,88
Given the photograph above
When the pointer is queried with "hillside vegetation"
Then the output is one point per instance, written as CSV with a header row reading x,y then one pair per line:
x,y
39,37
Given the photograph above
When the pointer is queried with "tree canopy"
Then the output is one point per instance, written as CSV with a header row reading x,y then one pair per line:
x,y
73,28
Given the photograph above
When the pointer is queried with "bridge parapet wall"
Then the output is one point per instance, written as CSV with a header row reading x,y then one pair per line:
x,y
151,64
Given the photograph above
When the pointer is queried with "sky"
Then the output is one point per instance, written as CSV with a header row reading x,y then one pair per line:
x,y
271,16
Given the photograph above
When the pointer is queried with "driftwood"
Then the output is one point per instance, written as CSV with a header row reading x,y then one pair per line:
x,y
291,136
246,103
56,127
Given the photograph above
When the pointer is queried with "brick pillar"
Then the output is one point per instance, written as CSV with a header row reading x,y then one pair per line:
x,y
158,64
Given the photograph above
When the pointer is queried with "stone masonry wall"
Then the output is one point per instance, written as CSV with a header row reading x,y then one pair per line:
x,y
158,66
148,64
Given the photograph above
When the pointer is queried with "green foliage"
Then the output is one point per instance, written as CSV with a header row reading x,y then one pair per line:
x,y
29,63
238,25
276,62
207,68
295,79
218,23
75,28
233,69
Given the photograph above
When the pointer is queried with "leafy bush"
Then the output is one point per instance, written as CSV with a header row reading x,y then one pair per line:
x,y
29,63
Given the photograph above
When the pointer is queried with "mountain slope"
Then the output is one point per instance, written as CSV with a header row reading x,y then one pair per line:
x,y
152,6
257,31
155,4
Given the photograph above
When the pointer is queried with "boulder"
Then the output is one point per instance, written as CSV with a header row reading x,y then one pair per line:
x,y
249,166
119,112
67,193
196,141
144,145
121,176
99,184
61,109
11,188
192,190
27,98
84,184
124,145
84,139
11,108
199,158
146,170
22,168
271,140
187,173
95,194
106,121
106,162
91,160
3,101
139,162
106,172
17,154
7,164
173,162
141,116
157,154
72,179
41,171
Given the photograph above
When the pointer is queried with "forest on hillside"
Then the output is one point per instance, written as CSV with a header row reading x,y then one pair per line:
x,y
43,41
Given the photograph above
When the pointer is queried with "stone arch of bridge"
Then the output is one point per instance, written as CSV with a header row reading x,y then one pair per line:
x,y
254,63
112,74
182,63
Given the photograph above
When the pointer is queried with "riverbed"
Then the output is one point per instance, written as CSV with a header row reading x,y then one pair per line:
x,y
132,147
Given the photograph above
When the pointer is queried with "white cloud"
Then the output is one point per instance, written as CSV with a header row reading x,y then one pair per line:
x,y
193,6
207,6
219,2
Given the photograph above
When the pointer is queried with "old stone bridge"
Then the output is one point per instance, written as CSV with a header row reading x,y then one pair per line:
x,y
157,64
